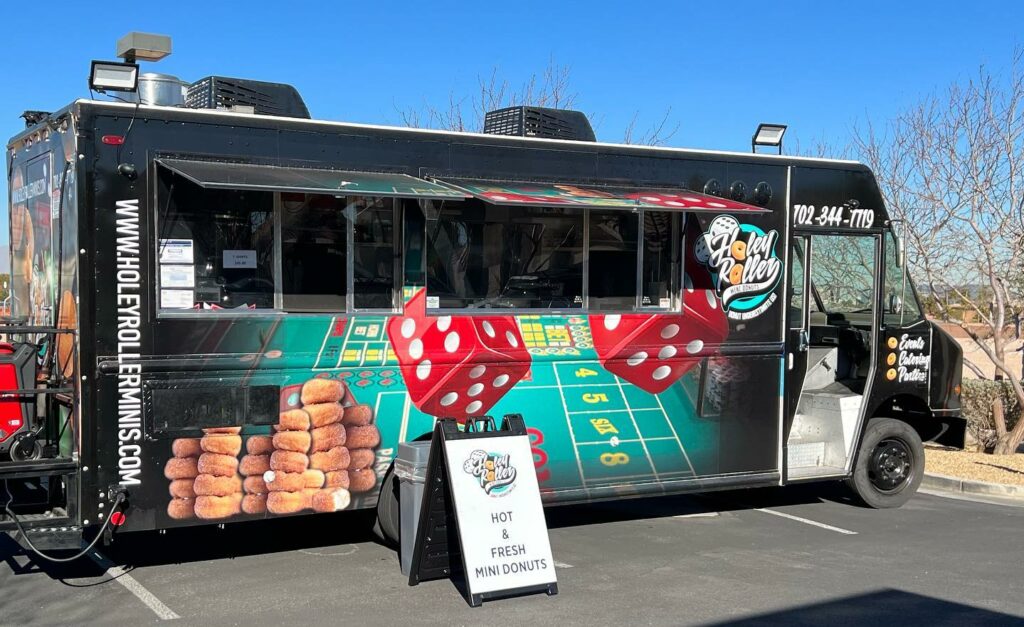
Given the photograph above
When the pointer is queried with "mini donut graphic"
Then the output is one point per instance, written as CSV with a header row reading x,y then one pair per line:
x,y
892,342
891,374
736,274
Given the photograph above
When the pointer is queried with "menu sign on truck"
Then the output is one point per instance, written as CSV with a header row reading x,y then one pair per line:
x,y
495,505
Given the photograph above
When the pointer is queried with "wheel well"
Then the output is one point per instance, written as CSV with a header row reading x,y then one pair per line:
x,y
915,412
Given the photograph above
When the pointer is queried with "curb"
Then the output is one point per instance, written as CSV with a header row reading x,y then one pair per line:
x,y
966,486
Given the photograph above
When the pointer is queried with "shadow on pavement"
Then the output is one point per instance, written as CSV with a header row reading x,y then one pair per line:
x,y
208,542
877,608
681,505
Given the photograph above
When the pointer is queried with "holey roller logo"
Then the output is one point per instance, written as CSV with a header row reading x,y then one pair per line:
x,y
494,471
744,264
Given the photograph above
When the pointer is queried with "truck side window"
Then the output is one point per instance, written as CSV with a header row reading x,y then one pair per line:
x,y
899,302
374,255
843,272
481,255
659,279
313,253
244,250
216,248
612,249
616,238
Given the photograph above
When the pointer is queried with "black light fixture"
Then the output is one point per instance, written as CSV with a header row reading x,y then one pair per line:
x,y
113,76
768,135
124,75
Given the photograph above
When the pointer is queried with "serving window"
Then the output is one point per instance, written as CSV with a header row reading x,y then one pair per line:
x,y
480,255
249,250
484,255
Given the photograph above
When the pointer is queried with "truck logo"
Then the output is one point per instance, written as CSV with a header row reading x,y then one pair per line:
x,y
494,471
744,264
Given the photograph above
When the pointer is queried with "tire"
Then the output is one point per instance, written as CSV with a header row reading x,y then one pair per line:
x,y
889,465
388,527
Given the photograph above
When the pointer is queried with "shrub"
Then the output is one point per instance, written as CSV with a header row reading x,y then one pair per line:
x,y
977,397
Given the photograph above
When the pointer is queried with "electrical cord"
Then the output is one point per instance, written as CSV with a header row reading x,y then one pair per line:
x,y
124,138
60,560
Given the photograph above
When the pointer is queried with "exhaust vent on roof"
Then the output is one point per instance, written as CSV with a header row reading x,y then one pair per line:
x,y
221,92
539,122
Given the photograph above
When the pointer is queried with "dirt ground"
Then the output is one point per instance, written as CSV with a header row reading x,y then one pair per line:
x,y
1006,469
974,354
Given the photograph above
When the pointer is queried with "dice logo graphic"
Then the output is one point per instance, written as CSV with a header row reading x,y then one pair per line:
x,y
457,366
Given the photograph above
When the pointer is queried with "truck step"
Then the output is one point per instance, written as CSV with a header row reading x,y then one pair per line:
x,y
55,519
54,538
37,468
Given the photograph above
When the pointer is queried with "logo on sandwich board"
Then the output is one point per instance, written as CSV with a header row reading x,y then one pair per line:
x,y
494,471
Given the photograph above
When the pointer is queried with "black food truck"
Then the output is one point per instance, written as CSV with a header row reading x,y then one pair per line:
x,y
224,310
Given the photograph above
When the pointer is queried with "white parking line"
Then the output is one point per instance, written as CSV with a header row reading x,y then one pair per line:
x,y
806,521
563,565
698,515
122,577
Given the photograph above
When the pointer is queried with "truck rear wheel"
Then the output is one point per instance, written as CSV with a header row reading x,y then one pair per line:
x,y
889,465
388,513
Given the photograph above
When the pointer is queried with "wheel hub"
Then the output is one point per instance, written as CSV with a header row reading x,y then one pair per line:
x,y
891,465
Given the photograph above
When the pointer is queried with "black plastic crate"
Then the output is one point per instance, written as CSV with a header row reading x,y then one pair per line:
x,y
539,122
220,92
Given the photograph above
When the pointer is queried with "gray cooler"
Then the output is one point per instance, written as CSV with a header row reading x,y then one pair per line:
x,y
411,470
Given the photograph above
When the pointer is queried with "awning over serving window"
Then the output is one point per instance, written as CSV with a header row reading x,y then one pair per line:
x,y
506,193
214,175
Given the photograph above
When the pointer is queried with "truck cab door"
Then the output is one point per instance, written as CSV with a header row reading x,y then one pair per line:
x,y
797,338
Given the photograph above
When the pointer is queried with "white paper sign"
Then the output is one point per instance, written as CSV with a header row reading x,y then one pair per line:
x,y
176,251
501,519
177,299
239,258
177,276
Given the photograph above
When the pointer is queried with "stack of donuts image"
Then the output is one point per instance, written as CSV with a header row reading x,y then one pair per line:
x,y
218,486
310,467
361,438
182,470
321,452
329,401
256,462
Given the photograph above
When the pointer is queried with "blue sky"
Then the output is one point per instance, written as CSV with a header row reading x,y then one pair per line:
x,y
721,66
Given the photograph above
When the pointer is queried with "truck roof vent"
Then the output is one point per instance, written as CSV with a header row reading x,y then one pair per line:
x,y
243,95
539,122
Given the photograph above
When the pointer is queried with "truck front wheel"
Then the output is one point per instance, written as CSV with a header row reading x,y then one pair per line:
x,y
889,465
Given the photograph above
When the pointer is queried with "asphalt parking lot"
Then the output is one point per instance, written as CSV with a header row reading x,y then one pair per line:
x,y
798,555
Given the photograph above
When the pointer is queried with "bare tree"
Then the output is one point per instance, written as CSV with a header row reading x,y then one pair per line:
x,y
658,134
952,168
551,87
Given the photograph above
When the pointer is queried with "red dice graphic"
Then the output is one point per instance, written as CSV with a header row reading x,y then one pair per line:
x,y
457,366
652,351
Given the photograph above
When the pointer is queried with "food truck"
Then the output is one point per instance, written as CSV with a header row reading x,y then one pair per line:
x,y
223,310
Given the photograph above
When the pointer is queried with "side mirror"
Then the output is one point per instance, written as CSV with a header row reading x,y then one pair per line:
x,y
901,252
895,303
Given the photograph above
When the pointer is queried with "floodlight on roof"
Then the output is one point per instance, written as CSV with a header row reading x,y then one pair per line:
x,y
113,76
768,135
